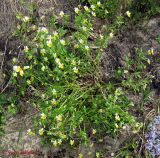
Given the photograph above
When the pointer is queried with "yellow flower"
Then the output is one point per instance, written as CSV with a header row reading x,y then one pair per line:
x,y
26,19
59,118
15,74
61,13
86,47
41,131
99,4
76,10
43,116
21,72
63,42
111,35
93,13
97,154
117,117
80,156
59,141
93,7
26,49
149,62
86,9
75,69
54,92
26,67
61,66
55,143
94,131
43,68
71,142
84,28
128,14
29,132
116,125
81,41
54,102
49,43
151,52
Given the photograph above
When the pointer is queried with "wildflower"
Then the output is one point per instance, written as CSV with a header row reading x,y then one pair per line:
x,y
111,35
80,156
125,71
124,127
106,11
86,9
29,132
54,92
26,49
61,13
43,116
49,37
43,29
151,52
116,125
97,154
18,69
26,67
101,110
93,7
55,33
26,19
45,59
49,43
101,36
112,154
117,117
84,28
59,141
59,118
99,4
94,131
93,13
81,41
100,140
63,42
76,10
14,60
55,143
41,131
34,27
54,102
43,68
57,60
28,82
148,61
14,74
76,46
15,68
71,142
61,66
75,69
86,47
128,14
73,62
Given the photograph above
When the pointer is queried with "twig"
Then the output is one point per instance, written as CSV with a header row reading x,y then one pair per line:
x,y
4,55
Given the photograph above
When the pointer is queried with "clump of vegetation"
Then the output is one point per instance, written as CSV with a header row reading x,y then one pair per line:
x,y
61,76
